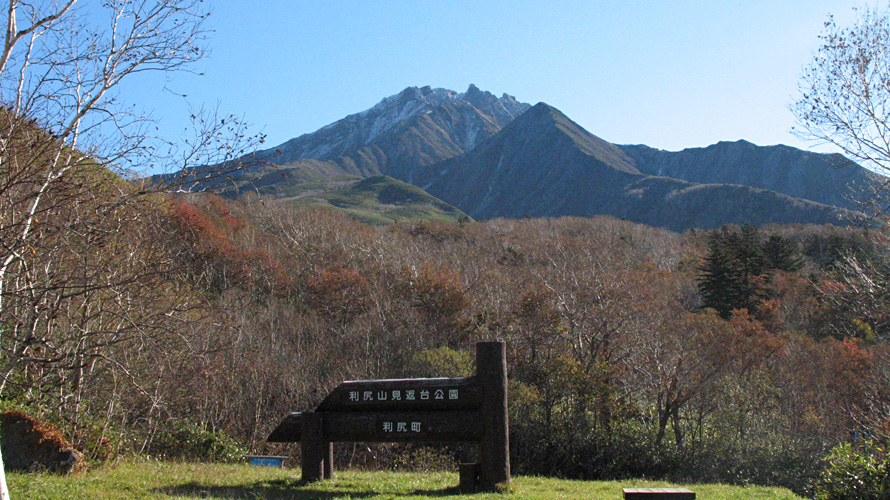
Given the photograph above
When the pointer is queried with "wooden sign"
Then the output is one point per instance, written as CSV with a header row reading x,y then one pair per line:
x,y
387,427
423,394
469,409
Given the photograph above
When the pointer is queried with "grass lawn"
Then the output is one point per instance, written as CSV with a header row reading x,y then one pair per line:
x,y
162,480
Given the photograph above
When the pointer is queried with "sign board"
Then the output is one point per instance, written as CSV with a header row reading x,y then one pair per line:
x,y
468,409
387,427
423,394
265,461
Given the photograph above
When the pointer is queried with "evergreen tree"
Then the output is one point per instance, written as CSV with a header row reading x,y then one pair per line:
x,y
781,254
735,272
717,278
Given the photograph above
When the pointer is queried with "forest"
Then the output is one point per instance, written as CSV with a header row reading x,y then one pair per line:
x,y
189,326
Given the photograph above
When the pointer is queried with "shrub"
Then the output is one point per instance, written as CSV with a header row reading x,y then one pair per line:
x,y
186,441
441,362
859,472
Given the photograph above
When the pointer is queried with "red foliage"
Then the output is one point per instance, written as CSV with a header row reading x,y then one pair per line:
x,y
29,444
227,245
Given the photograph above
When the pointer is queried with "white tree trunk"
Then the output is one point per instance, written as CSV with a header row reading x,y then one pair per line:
x,y
4,491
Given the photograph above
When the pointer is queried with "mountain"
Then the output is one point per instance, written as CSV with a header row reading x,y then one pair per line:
x,y
831,179
491,156
416,127
541,164
544,164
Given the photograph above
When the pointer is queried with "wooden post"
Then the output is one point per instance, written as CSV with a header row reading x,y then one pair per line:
x,y
469,477
494,449
329,461
314,448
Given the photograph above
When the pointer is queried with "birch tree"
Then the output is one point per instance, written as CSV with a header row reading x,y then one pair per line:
x,y
844,97
71,147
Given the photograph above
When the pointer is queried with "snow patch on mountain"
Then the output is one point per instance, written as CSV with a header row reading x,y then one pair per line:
x,y
481,112
470,140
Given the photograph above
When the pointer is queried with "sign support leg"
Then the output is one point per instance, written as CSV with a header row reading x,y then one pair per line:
x,y
329,461
494,449
313,447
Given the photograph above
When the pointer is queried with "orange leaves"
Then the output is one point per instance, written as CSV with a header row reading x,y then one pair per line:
x,y
226,246
850,362
750,341
209,231
339,292
438,291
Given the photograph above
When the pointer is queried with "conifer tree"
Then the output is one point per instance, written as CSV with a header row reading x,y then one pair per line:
x,y
780,254
716,281
735,272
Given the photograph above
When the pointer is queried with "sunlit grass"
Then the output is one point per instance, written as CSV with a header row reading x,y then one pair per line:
x,y
164,480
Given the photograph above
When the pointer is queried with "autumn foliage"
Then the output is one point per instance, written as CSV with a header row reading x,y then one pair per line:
x,y
618,364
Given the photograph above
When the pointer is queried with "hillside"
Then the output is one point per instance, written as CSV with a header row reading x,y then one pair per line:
x,y
381,200
545,165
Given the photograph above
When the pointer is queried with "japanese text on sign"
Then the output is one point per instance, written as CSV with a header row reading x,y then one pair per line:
x,y
404,395
401,427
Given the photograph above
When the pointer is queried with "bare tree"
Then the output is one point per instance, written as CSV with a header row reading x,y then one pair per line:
x,y
845,96
69,150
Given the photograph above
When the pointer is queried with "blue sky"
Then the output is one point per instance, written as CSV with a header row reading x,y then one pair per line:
x,y
670,75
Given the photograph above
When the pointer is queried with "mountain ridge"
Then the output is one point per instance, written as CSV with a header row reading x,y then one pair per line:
x,y
497,157
791,171
545,165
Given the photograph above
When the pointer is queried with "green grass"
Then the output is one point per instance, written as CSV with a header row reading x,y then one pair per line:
x,y
163,480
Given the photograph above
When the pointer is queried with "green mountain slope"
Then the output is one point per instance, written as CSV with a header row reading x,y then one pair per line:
x,y
382,200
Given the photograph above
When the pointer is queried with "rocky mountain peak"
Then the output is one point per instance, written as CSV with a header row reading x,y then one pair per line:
x,y
472,92
505,109
407,103
463,119
413,101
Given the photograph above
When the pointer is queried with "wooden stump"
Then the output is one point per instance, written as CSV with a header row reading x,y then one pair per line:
x,y
469,477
